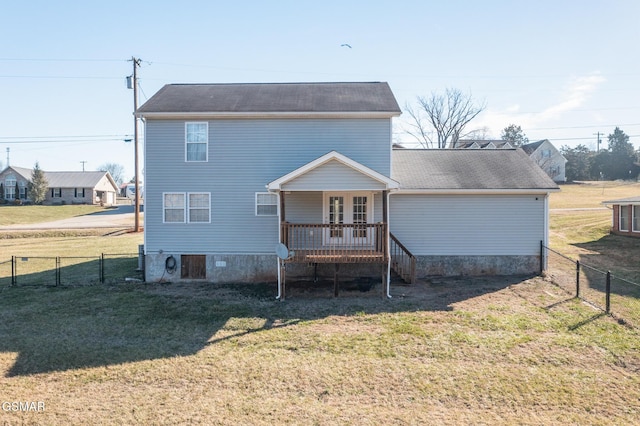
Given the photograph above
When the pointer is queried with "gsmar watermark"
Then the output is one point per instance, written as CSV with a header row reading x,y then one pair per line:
x,y
22,405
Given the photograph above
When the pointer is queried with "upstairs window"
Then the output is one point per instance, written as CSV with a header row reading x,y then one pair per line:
x,y
196,141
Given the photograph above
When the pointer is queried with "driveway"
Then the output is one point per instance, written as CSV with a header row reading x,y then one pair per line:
x,y
119,217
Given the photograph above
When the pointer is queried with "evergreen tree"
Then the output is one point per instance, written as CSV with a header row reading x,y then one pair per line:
x,y
38,185
514,135
577,167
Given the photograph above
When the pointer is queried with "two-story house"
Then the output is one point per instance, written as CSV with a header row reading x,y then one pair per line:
x,y
549,158
233,171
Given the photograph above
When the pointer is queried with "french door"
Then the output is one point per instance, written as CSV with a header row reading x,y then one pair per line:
x,y
347,208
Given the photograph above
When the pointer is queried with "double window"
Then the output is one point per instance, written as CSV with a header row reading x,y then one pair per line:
x,y
186,207
196,141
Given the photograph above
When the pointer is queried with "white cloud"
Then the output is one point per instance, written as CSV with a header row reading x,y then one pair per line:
x,y
577,92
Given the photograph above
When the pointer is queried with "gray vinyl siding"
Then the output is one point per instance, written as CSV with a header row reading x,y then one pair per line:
x,y
333,176
468,225
244,156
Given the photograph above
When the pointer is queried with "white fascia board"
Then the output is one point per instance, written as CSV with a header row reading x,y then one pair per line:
x,y
246,115
333,155
541,191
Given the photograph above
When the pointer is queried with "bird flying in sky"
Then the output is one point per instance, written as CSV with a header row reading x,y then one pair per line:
x,y
346,45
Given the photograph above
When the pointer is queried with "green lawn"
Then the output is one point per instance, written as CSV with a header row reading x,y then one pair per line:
x,y
18,215
460,352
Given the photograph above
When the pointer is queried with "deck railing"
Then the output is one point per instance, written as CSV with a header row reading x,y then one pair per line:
x,y
403,262
343,243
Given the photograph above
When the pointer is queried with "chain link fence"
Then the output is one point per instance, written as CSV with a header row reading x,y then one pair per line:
x,y
26,271
603,289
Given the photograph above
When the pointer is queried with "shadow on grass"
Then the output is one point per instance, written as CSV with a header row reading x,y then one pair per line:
x,y
64,328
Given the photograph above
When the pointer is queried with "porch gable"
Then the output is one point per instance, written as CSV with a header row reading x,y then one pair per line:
x,y
333,172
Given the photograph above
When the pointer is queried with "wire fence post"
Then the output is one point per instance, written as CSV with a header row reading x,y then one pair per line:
x,y
577,278
57,271
608,293
101,268
13,270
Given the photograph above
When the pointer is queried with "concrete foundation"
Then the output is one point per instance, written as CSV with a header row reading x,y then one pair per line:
x,y
242,268
450,266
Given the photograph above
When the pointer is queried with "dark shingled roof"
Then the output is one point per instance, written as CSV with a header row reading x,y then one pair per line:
x,y
273,98
530,147
462,169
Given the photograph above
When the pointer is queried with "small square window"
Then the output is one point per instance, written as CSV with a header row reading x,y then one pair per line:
x,y
266,204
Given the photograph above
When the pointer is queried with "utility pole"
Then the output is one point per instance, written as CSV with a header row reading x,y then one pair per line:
x,y
83,163
598,143
136,63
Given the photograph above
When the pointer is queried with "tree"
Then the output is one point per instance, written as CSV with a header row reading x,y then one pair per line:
x,y
38,185
616,162
447,114
514,135
577,167
115,170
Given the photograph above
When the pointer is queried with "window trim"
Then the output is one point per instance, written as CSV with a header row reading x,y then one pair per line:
x,y
626,218
186,207
277,204
186,142
189,208
635,213
164,207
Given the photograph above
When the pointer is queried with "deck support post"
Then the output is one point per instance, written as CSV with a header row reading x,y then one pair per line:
x,y
335,280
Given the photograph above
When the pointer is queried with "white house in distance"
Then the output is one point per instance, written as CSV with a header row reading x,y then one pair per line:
x,y
547,156
234,170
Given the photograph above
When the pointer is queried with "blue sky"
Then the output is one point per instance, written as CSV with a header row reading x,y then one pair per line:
x,y
563,69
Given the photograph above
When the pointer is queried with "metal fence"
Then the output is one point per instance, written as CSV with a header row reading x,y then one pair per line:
x,y
603,289
70,271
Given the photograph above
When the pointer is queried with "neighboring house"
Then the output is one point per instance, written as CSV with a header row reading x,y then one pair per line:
x,y
64,187
548,158
231,170
626,216
483,144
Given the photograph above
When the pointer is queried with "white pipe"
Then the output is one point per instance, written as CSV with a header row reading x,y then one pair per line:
x,y
388,250
278,296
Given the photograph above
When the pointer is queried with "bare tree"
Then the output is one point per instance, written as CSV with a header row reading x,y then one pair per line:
x,y
115,170
447,114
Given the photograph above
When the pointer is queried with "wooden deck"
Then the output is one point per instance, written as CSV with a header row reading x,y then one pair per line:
x,y
344,243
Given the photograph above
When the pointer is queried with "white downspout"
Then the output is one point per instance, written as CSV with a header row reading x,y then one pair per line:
x,y
388,248
279,295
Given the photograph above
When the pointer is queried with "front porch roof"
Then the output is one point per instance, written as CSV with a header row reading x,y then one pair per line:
x,y
333,171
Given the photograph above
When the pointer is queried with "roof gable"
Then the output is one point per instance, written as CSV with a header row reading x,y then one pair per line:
x,y
272,98
328,163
